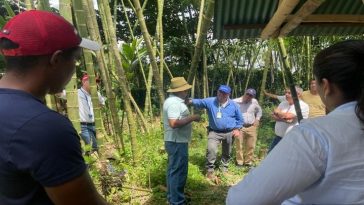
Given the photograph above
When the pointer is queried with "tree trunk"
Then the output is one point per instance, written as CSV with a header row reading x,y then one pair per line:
x,y
122,80
29,4
205,85
50,101
201,37
309,75
267,65
43,5
287,70
251,65
71,88
100,55
81,17
160,37
143,28
148,110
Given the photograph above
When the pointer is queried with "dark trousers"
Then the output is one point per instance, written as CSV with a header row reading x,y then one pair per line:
x,y
213,140
275,141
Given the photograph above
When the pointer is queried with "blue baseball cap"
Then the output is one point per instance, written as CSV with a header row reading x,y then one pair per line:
x,y
225,89
251,92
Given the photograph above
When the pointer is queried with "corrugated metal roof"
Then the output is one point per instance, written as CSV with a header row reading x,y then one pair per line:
x,y
231,15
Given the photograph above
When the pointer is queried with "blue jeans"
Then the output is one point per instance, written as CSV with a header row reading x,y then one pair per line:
x,y
88,134
176,172
275,141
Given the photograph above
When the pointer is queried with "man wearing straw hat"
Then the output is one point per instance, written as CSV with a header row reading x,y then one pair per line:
x,y
177,134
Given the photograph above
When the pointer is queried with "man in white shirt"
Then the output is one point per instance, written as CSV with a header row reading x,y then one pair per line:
x,y
86,111
286,117
246,141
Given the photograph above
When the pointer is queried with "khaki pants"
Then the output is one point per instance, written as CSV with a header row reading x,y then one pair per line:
x,y
245,145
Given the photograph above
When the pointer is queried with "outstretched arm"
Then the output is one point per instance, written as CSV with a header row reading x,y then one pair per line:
x,y
281,98
270,95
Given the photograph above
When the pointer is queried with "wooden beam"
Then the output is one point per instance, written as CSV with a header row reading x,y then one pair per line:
x,y
284,9
303,24
328,18
332,24
308,8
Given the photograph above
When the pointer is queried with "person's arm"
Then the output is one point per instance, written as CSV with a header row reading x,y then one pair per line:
x,y
102,99
288,117
239,121
199,103
80,190
259,113
274,96
175,123
294,164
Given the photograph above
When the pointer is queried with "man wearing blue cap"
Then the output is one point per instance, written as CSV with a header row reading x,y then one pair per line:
x,y
225,120
245,143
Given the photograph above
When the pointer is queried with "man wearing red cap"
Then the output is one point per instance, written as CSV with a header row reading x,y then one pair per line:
x,y
40,154
86,111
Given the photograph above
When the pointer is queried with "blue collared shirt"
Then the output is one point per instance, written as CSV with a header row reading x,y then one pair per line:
x,y
231,117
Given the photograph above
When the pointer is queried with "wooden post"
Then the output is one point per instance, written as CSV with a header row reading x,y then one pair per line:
x,y
287,70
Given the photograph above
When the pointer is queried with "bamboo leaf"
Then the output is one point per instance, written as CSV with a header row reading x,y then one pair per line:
x,y
128,51
2,21
8,8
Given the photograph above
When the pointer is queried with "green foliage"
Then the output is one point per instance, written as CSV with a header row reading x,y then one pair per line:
x,y
265,131
2,21
8,8
145,183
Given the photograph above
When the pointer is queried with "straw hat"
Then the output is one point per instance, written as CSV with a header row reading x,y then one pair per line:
x,y
178,84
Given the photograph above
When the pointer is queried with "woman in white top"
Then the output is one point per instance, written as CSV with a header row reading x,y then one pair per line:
x,y
320,161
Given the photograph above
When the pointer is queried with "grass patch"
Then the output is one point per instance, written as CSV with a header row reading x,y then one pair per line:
x,y
144,183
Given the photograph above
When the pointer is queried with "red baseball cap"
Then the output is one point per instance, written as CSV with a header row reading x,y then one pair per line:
x,y
41,33
84,77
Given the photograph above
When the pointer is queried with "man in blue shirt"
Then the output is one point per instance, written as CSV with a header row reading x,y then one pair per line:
x,y
41,161
225,120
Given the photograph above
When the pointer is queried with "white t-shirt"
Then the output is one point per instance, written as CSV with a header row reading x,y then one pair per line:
x,y
281,98
85,106
281,128
320,161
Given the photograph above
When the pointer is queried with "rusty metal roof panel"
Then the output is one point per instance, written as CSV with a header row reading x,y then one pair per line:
x,y
231,15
